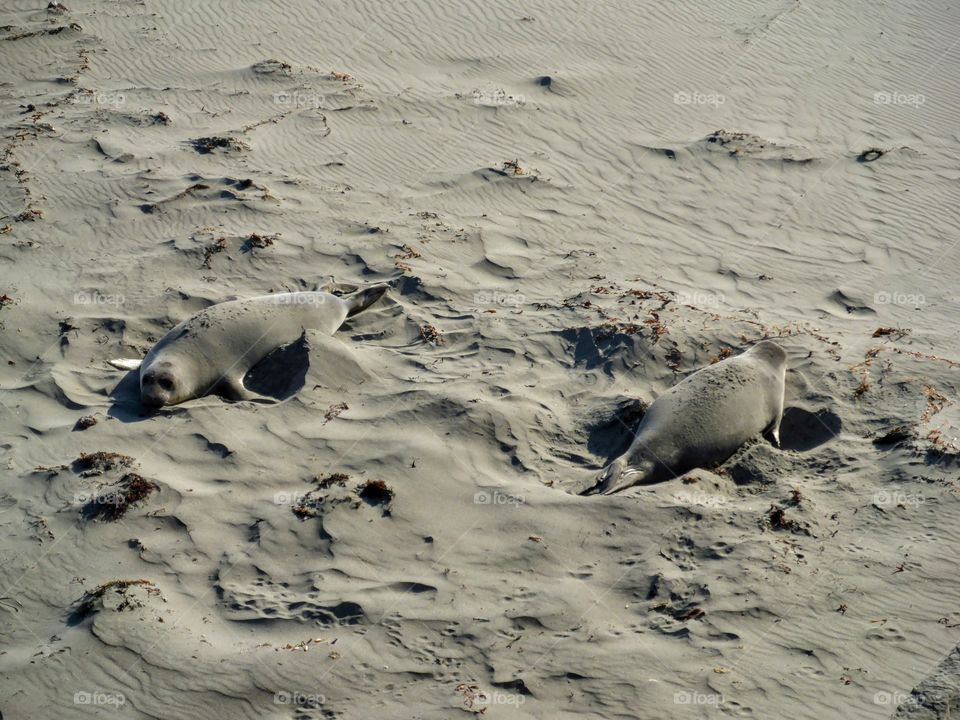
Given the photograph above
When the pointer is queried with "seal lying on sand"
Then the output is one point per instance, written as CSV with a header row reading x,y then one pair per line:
x,y
703,419
212,351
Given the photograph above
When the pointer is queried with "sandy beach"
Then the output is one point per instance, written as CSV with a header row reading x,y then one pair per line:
x,y
576,206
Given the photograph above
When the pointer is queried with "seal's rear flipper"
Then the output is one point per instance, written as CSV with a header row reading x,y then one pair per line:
x,y
125,363
363,299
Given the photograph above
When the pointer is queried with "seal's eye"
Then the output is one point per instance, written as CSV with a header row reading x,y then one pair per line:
x,y
166,383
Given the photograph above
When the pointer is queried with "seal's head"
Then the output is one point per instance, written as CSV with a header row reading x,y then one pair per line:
x,y
160,386
769,351
609,479
620,475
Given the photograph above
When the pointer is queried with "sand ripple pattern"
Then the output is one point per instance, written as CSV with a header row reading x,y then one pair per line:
x,y
577,204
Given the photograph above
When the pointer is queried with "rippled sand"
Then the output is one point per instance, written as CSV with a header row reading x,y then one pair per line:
x,y
577,204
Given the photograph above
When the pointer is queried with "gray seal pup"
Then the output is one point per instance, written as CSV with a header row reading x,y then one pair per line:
x,y
212,351
702,420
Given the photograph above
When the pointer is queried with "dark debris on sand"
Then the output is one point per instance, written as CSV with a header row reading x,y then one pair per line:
x,y
776,519
92,600
113,502
898,434
895,333
256,240
331,491
206,145
89,464
339,479
870,155
217,246
334,411
87,421
430,334
376,493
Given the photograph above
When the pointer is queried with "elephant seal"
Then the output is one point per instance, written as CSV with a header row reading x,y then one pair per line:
x,y
212,351
703,419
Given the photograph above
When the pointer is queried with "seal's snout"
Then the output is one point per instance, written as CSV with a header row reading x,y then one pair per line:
x,y
158,389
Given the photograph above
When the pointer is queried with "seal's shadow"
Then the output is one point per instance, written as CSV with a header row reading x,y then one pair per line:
x,y
126,405
802,430
282,373
594,350
611,435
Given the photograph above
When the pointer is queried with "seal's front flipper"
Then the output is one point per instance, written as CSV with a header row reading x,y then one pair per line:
x,y
253,397
363,299
125,363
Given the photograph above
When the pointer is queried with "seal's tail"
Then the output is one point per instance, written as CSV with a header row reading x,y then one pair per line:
x,y
362,299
